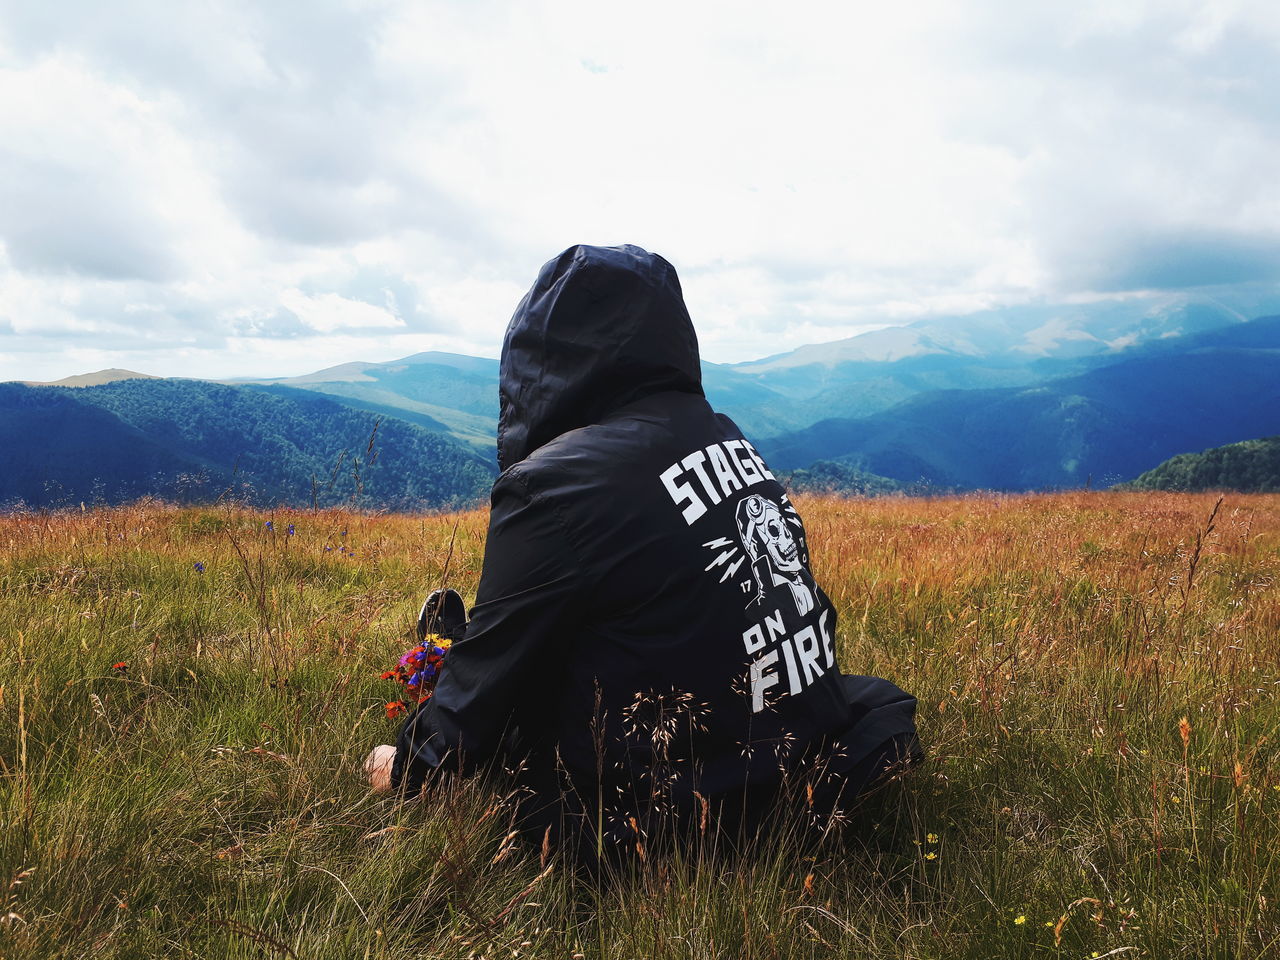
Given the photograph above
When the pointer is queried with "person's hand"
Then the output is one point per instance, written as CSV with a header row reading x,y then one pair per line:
x,y
377,767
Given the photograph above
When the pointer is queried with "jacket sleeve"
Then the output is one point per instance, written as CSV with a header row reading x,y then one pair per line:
x,y
505,672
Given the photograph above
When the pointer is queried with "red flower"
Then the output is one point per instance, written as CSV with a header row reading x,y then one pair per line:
x,y
418,671
121,666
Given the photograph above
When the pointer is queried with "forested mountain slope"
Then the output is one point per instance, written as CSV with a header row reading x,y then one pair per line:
x,y
189,439
1251,466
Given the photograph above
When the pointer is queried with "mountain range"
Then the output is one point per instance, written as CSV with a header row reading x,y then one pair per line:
x,y
1100,427
1014,399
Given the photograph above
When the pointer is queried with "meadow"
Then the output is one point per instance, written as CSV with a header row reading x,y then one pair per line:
x,y
186,696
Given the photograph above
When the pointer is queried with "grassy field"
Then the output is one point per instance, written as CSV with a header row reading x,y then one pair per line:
x,y
186,696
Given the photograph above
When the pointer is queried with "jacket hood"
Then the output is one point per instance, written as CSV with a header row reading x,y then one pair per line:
x,y
602,327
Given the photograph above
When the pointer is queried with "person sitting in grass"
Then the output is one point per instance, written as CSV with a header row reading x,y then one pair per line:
x,y
647,636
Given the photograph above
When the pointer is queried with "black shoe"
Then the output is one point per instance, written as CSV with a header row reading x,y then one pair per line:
x,y
443,613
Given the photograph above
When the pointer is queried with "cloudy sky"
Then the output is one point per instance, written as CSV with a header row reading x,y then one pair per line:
x,y
222,188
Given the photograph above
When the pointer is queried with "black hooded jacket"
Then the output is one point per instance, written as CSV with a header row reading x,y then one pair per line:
x,y
645,608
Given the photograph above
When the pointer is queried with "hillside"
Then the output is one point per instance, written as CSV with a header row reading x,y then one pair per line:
x,y
442,392
1251,466
55,450
192,440
831,478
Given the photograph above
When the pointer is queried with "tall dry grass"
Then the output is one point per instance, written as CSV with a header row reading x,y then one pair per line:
x,y
1097,677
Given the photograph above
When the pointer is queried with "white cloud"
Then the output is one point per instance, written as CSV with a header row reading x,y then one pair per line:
x,y
328,312
179,182
95,181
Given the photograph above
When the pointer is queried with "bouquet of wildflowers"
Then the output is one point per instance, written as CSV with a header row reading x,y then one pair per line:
x,y
417,671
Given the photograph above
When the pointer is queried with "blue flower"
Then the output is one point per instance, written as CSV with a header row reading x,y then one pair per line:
x,y
289,532
198,567
327,548
270,526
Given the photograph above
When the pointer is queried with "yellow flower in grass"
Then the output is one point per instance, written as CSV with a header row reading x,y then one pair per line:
x,y
931,855
1176,799
1020,919
931,838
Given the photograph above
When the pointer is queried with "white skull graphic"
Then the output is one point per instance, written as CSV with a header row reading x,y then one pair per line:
x,y
763,527
775,555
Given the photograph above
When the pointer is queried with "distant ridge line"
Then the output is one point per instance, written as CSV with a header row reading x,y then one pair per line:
x,y
95,379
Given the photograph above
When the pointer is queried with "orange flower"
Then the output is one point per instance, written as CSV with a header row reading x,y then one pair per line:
x,y
394,709
120,666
